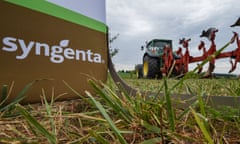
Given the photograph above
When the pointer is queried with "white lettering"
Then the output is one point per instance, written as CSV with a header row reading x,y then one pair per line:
x,y
57,53
69,53
10,46
89,55
56,56
39,47
25,49
97,58
80,53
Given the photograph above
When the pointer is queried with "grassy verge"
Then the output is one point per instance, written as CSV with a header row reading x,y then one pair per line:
x,y
210,87
112,116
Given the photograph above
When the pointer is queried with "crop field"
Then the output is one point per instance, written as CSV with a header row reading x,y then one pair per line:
x,y
113,116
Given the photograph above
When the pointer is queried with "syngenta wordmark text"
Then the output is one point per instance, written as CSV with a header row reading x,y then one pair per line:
x,y
57,53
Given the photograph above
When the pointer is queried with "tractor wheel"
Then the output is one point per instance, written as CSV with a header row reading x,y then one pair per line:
x,y
139,71
151,67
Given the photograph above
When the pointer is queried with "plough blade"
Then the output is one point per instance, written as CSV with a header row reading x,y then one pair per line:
x,y
237,23
211,68
208,55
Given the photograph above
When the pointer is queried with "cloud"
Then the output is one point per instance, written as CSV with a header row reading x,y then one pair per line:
x,y
142,20
128,19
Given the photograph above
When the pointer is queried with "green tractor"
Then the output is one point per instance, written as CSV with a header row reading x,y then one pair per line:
x,y
152,59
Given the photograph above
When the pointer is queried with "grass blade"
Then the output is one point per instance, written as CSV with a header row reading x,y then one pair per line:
x,y
113,100
152,141
49,111
107,117
3,97
33,122
151,128
19,97
98,137
171,115
202,127
4,93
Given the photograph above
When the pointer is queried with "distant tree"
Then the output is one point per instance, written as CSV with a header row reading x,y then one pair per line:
x,y
113,51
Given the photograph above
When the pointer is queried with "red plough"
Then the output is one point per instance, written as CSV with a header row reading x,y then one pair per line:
x,y
180,65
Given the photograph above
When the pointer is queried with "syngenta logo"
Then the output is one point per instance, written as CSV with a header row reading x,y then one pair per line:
x,y
57,53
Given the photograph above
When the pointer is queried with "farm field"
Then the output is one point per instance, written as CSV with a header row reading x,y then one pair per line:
x,y
105,118
209,87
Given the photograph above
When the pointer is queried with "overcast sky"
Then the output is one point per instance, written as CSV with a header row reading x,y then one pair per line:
x,y
142,20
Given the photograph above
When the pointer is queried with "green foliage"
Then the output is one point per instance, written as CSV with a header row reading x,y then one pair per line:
x,y
226,113
114,116
109,120
36,125
171,114
17,99
202,126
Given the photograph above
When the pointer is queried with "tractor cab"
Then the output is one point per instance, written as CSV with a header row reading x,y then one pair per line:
x,y
155,47
152,58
